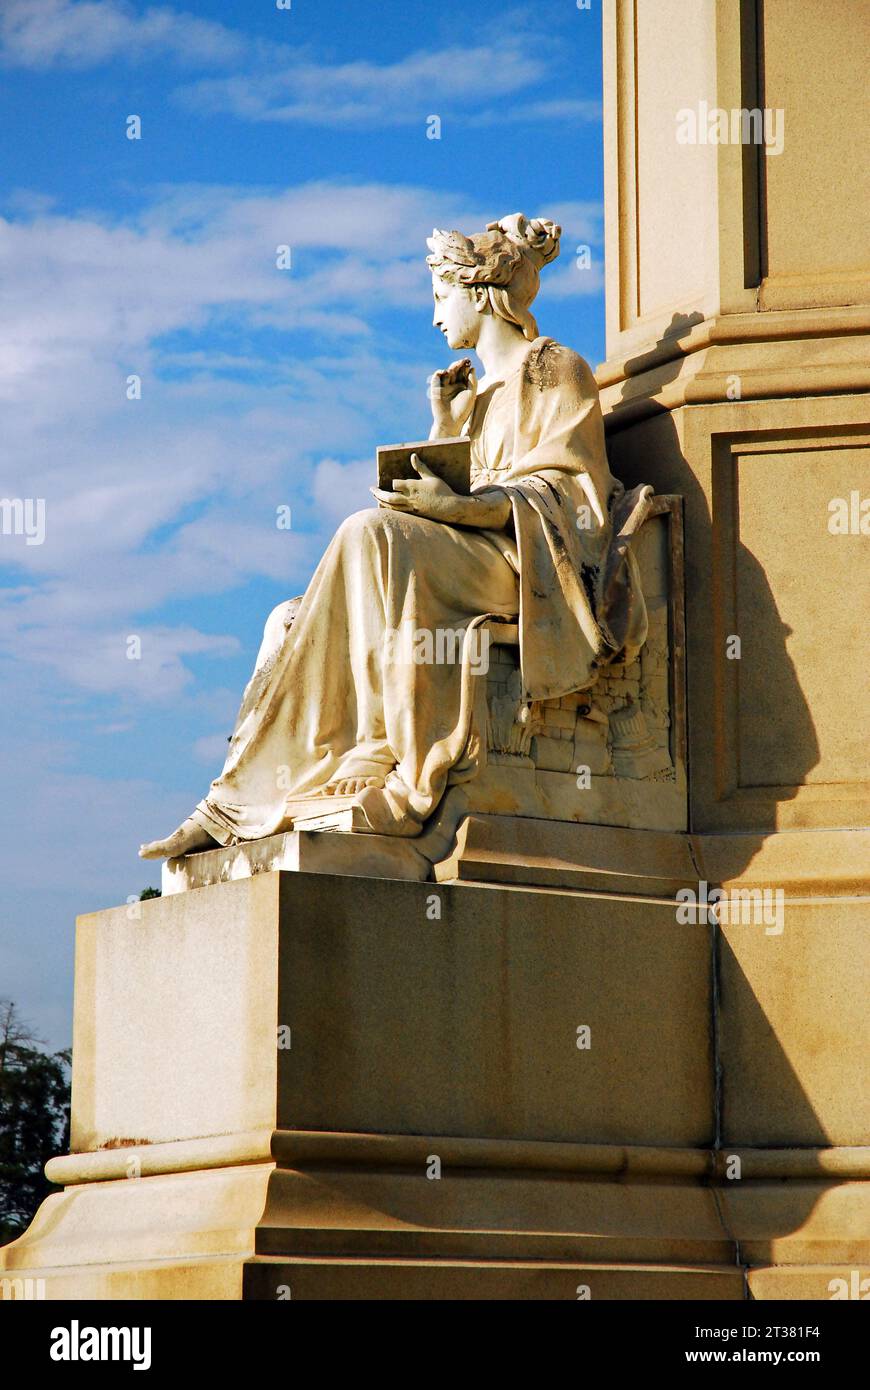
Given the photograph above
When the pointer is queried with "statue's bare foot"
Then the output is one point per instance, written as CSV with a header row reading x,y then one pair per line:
x,y
349,786
187,839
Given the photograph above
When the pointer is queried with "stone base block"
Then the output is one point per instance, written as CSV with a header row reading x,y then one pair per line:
x,y
340,1216
318,1085
481,1280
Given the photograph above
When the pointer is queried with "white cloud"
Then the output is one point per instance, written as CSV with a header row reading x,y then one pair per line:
x,y
84,33
175,495
487,83
568,111
364,94
258,387
342,488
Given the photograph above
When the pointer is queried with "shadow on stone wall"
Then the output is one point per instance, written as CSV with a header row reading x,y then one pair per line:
x,y
780,705
761,1099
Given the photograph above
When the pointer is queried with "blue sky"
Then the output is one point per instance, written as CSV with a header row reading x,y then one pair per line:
x,y
261,387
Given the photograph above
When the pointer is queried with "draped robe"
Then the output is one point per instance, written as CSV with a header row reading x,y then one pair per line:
x,y
342,690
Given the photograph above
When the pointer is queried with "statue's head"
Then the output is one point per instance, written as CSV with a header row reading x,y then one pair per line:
x,y
496,272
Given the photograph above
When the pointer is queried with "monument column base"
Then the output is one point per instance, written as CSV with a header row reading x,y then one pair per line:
x,y
347,1216
320,1086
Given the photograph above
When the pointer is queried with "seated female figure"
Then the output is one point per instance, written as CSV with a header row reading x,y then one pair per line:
x,y
335,709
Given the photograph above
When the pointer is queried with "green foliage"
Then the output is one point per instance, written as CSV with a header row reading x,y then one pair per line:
x,y
149,893
34,1119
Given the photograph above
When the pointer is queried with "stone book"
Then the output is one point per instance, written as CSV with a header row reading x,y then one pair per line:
x,y
449,458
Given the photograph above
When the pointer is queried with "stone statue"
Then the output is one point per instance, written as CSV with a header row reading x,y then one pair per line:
x,y
337,713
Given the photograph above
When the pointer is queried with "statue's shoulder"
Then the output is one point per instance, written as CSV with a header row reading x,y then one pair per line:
x,y
550,364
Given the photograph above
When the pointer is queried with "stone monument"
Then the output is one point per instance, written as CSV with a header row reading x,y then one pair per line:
x,y
541,976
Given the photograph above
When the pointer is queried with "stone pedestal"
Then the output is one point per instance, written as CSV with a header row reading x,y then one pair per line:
x,y
312,1085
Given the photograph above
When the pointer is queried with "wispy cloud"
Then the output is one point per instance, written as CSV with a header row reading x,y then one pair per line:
x,y
567,111
366,94
177,493
488,83
45,34
336,485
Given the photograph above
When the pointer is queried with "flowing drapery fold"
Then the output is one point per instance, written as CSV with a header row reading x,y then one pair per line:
x,y
542,441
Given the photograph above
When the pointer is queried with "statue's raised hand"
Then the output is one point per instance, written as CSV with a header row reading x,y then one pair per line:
x,y
452,392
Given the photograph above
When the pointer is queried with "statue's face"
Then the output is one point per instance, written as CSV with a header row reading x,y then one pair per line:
x,y
458,312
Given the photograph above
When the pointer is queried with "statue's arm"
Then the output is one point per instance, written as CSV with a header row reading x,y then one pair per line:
x,y
493,509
